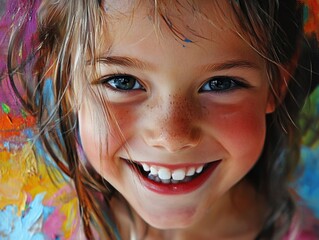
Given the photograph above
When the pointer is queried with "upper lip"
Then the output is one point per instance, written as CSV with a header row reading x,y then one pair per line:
x,y
170,166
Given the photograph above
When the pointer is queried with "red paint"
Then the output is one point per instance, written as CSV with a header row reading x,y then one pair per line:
x,y
12,125
178,188
311,23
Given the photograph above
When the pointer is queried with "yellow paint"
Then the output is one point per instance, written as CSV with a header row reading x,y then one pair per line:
x,y
22,177
4,156
15,167
20,173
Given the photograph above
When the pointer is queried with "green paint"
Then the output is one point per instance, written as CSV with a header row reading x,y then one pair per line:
x,y
5,108
309,120
305,14
23,113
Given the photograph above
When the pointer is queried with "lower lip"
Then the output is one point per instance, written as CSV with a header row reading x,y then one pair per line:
x,y
178,188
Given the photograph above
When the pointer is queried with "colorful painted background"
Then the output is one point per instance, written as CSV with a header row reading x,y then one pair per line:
x,y
38,202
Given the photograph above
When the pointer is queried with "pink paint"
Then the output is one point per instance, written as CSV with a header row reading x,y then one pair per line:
x,y
55,221
16,12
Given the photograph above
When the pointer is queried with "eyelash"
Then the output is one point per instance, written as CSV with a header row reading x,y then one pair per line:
x,y
221,84
219,81
111,81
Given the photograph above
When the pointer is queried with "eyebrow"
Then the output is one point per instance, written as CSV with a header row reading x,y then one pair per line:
x,y
230,64
138,64
124,61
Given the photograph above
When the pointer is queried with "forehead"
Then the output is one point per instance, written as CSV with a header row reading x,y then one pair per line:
x,y
183,17
205,30
166,25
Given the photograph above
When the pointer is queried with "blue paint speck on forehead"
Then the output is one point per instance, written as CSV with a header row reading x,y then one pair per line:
x,y
187,40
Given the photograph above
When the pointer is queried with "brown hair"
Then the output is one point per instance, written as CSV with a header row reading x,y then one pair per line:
x,y
68,34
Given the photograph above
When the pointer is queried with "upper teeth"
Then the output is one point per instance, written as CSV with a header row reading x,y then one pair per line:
x,y
167,174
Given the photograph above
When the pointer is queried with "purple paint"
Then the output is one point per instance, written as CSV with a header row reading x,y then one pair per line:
x,y
17,13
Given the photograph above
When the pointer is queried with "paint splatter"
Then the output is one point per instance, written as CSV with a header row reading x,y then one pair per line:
x,y
308,182
187,40
29,196
311,17
5,108
23,226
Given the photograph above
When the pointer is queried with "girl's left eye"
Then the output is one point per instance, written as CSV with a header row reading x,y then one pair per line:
x,y
123,82
222,84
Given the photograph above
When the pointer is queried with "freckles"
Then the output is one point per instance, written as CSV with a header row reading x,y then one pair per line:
x,y
177,120
179,112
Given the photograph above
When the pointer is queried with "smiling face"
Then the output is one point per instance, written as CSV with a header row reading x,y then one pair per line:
x,y
191,113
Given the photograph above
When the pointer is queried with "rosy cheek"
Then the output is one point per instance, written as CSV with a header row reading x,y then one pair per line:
x,y
89,138
93,134
239,127
121,126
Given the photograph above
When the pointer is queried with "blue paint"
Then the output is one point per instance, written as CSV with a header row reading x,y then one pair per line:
x,y
38,146
33,212
47,211
6,144
187,40
307,185
7,216
49,102
24,227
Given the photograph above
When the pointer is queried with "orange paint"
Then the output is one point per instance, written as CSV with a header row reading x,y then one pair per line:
x,y
4,156
312,23
12,125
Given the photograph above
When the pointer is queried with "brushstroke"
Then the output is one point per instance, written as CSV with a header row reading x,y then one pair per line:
x,y
308,183
25,226
311,17
37,201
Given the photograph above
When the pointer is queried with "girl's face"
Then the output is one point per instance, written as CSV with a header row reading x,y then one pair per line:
x,y
182,106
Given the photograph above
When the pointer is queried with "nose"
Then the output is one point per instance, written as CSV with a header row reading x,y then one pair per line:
x,y
174,125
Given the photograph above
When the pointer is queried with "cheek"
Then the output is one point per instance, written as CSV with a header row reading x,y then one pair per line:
x,y
122,126
89,136
240,128
96,140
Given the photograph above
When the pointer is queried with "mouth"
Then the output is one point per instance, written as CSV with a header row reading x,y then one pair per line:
x,y
176,180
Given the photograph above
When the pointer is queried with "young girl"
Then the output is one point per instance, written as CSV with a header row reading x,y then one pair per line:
x,y
175,119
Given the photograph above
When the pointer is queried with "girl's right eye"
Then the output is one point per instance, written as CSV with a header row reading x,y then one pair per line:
x,y
122,82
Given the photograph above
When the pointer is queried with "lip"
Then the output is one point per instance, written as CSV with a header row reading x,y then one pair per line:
x,y
176,188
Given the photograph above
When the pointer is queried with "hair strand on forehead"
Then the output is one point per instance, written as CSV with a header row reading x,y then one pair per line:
x,y
73,36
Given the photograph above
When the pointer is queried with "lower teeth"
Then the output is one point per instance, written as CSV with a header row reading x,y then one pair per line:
x,y
167,181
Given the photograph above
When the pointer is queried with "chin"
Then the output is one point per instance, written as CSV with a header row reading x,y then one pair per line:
x,y
170,220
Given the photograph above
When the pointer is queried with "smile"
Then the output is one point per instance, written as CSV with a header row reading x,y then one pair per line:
x,y
166,176
173,180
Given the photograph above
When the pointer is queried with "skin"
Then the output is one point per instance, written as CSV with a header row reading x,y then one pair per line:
x,y
170,121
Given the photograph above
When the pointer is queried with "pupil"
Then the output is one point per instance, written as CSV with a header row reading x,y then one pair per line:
x,y
220,84
124,83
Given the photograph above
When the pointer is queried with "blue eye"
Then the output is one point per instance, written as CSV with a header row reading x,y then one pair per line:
x,y
221,84
123,82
